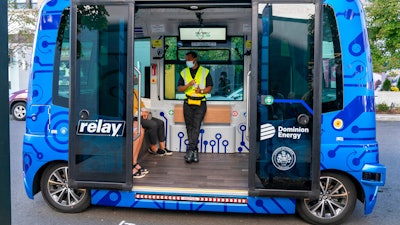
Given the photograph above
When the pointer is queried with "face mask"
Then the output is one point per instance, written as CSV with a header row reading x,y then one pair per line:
x,y
190,64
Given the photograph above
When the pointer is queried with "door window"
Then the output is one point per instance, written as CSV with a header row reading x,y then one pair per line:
x,y
224,60
285,71
98,149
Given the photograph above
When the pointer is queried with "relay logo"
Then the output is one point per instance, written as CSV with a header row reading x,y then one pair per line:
x,y
101,127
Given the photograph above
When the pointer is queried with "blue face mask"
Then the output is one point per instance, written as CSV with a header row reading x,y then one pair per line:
x,y
190,64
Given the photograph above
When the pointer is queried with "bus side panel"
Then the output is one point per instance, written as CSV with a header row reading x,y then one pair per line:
x,y
349,136
252,204
46,134
36,154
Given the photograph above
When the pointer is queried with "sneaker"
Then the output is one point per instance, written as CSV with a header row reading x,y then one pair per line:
x,y
168,152
159,152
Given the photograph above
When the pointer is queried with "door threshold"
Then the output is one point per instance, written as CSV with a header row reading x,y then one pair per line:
x,y
189,191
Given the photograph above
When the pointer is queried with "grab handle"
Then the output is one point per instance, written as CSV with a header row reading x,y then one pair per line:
x,y
248,105
139,105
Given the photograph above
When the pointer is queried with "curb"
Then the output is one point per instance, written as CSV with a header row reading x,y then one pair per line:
x,y
387,117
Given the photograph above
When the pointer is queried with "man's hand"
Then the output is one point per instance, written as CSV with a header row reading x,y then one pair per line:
x,y
192,82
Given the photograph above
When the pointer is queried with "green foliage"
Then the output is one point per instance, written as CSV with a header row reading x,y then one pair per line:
x,y
93,17
398,84
172,43
386,85
382,107
384,33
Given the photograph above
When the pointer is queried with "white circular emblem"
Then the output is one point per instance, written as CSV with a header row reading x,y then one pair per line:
x,y
283,158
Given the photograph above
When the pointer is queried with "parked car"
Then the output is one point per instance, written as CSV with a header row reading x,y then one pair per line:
x,y
17,103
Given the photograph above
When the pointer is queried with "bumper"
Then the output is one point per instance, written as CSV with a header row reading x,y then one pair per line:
x,y
373,176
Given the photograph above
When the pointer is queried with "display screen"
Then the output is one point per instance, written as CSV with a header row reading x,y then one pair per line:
x,y
202,33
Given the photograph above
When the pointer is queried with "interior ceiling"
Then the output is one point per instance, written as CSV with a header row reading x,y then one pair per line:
x,y
181,15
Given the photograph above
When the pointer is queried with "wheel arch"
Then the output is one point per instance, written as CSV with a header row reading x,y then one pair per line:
x,y
357,184
348,181
14,103
39,174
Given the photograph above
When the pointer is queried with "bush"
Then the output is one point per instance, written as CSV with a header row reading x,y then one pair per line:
x,y
387,85
398,83
382,107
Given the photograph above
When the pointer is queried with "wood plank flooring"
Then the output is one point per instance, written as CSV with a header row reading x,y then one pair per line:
x,y
214,171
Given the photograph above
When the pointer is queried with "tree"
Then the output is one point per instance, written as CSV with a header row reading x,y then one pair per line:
x,y
21,30
383,21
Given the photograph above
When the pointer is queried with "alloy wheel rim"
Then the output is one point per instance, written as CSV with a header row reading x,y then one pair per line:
x,y
60,192
332,201
20,112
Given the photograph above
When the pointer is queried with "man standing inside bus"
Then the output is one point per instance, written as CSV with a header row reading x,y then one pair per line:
x,y
195,81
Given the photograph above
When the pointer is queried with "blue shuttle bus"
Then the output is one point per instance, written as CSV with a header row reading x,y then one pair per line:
x,y
292,129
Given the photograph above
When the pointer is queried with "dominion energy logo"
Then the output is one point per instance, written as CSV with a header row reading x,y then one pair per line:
x,y
268,131
283,158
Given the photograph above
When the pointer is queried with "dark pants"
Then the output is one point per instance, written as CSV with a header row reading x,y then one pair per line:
x,y
194,116
155,129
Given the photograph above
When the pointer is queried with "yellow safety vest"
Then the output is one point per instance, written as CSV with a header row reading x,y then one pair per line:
x,y
200,79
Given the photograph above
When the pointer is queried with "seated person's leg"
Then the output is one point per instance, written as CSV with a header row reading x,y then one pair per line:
x,y
161,135
137,170
151,129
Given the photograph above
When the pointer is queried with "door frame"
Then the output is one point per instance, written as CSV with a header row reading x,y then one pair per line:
x,y
73,114
317,109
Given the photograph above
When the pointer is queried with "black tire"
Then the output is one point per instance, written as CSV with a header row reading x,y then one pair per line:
x,y
336,201
18,111
57,194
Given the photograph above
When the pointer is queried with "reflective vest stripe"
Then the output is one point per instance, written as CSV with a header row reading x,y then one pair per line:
x,y
200,79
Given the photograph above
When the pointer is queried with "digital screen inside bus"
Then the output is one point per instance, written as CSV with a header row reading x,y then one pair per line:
x,y
202,33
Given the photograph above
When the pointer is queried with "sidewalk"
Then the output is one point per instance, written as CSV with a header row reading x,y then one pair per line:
x,y
387,117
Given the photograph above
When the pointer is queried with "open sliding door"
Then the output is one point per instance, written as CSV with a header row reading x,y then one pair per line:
x,y
100,137
286,69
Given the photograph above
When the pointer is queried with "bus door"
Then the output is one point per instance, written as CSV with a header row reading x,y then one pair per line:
x,y
286,65
100,136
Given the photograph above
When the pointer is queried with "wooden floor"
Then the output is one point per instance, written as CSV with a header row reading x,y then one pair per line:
x,y
214,171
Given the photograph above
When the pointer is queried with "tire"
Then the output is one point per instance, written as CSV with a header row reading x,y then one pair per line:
x,y
57,194
19,111
336,201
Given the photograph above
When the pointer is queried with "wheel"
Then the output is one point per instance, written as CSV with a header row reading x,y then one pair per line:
x,y
19,111
336,201
57,194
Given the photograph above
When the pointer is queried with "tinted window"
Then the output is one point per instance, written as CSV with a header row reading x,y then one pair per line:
x,y
332,85
61,63
224,60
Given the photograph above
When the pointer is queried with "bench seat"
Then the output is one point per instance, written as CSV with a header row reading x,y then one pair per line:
x,y
216,114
